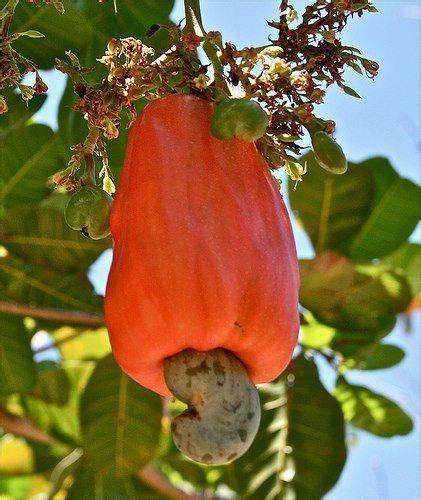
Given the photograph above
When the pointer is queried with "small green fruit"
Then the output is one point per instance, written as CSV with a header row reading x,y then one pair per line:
x,y
239,118
88,211
328,153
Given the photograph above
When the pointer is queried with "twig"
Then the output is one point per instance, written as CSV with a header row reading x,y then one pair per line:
x,y
50,314
21,426
157,480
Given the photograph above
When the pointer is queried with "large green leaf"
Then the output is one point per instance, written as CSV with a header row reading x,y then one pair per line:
x,y
41,236
71,31
366,213
372,412
19,113
26,283
395,213
29,155
332,208
121,421
299,451
90,485
352,298
17,368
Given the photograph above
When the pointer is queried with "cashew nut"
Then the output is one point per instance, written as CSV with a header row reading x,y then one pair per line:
x,y
223,412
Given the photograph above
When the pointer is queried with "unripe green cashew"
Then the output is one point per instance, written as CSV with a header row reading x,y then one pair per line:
x,y
224,409
88,211
239,118
328,153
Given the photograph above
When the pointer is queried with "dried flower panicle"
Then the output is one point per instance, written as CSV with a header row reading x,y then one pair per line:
x,y
289,77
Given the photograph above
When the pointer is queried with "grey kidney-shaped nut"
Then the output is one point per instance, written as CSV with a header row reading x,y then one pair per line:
x,y
223,412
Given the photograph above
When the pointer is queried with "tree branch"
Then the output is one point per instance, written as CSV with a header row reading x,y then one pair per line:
x,y
21,426
50,314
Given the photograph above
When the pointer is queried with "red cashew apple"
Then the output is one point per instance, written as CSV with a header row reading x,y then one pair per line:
x,y
202,297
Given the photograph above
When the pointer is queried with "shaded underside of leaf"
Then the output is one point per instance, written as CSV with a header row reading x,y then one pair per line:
x,y
372,412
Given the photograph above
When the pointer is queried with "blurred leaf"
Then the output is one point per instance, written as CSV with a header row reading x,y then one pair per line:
x,y
299,451
29,156
90,485
16,456
41,236
372,412
121,421
84,344
19,112
52,385
395,213
71,31
314,335
374,357
62,422
349,297
17,368
22,487
66,467
44,287
408,258
332,208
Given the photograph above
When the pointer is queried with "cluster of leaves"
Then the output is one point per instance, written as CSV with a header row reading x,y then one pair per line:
x,y
100,428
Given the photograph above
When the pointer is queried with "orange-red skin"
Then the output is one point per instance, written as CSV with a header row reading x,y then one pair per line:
x,y
204,255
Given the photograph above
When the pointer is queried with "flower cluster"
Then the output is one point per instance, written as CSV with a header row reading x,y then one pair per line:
x,y
14,66
288,77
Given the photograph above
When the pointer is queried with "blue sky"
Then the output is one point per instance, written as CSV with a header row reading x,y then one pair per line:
x,y
385,122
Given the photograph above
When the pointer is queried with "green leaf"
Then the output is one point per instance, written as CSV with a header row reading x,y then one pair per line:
x,y
121,421
71,31
52,385
19,112
394,214
62,421
90,485
17,368
314,335
374,357
332,209
31,34
350,91
372,412
84,344
349,297
408,258
299,451
32,284
41,236
29,156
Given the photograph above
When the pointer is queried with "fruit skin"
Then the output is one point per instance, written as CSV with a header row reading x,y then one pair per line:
x,y
204,255
88,210
239,118
328,153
